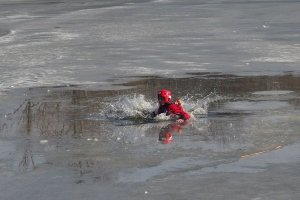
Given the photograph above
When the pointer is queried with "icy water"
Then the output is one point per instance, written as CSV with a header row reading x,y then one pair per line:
x,y
79,78
101,144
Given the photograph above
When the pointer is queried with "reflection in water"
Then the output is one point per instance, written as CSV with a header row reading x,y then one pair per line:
x,y
165,134
50,112
27,117
3,127
75,119
295,102
84,166
27,161
90,167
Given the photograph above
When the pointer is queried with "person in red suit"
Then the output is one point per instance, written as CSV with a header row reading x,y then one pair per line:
x,y
173,109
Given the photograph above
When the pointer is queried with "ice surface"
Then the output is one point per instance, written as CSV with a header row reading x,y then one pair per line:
x,y
73,43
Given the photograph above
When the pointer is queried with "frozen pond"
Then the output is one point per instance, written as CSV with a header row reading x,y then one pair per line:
x,y
79,78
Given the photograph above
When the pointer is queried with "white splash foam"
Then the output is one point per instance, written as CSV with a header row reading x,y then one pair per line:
x,y
129,106
199,106
136,107
162,117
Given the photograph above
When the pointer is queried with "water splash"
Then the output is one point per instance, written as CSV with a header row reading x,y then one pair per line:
x,y
135,108
199,106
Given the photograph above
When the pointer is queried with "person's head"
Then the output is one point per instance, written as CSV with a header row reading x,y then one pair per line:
x,y
164,96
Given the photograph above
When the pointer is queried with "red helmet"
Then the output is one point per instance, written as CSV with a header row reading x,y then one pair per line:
x,y
166,95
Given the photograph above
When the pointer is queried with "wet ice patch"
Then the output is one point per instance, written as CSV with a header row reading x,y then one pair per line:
x,y
5,149
54,36
161,1
276,53
256,162
127,68
132,134
20,17
3,32
32,77
272,92
168,166
255,105
8,37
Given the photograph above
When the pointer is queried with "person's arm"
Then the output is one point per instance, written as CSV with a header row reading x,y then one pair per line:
x,y
153,114
157,111
177,110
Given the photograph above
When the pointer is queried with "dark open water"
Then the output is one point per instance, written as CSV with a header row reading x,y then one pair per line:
x,y
69,137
